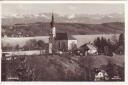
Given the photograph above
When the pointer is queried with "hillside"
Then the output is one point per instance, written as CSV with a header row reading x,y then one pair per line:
x,y
66,68
41,29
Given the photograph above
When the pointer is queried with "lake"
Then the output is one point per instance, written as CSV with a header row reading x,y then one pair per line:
x,y
82,39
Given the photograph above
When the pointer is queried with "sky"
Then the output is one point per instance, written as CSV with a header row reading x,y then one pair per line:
x,y
62,8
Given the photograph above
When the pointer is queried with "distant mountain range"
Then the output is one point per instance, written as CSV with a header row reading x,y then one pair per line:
x,y
59,18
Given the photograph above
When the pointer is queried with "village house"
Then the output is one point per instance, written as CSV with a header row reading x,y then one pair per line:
x,y
88,49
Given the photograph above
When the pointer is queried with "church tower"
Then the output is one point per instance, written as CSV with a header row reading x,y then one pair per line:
x,y
53,29
52,35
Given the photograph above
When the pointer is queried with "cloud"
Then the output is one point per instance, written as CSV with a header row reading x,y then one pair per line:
x,y
83,8
73,8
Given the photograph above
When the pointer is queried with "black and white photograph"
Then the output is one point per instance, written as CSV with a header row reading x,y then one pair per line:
x,y
63,42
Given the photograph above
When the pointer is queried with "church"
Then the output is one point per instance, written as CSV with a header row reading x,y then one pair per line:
x,y
60,41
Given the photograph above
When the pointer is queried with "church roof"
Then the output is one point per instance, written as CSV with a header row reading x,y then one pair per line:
x,y
64,36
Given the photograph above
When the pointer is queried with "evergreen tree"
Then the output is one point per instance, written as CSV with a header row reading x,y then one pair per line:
x,y
119,46
17,47
41,45
121,43
97,43
103,44
121,39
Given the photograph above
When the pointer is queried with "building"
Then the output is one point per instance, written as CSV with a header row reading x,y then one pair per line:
x,y
52,34
65,42
89,49
60,41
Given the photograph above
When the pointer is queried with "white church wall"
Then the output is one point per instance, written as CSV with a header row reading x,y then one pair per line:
x,y
54,31
50,48
60,44
70,43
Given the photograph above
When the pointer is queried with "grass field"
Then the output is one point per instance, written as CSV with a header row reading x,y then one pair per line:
x,y
64,67
103,60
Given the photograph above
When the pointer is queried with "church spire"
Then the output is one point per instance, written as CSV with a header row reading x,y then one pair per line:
x,y
53,29
52,35
52,21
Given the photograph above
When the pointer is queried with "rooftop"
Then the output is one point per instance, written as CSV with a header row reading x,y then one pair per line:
x,y
64,36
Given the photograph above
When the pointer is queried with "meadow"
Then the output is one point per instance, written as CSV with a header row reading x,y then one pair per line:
x,y
64,68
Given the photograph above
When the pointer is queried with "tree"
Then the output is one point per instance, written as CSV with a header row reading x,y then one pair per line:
x,y
114,39
3,67
17,47
106,50
121,39
110,48
97,43
41,45
31,44
8,47
120,45
103,44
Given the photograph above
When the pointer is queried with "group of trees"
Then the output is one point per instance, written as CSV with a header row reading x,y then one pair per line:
x,y
30,45
104,45
108,46
120,45
34,44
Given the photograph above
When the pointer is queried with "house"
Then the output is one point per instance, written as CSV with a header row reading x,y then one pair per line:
x,y
60,41
88,49
101,75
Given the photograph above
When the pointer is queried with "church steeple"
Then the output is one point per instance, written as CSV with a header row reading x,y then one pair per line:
x,y
53,29
52,35
52,21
